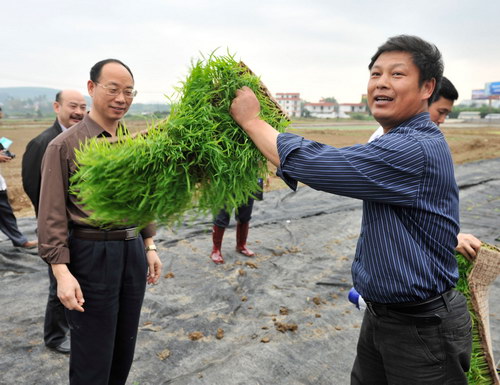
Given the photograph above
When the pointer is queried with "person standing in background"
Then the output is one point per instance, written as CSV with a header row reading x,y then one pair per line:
x,y
242,214
8,222
70,108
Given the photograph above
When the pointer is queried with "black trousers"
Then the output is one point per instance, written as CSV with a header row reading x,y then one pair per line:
x,y
55,327
400,349
243,215
112,276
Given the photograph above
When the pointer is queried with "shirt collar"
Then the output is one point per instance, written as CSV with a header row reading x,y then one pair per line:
x,y
94,128
63,127
419,117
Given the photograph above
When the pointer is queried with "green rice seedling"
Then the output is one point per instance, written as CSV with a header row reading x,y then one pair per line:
x,y
197,158
479,373
118,190
225,159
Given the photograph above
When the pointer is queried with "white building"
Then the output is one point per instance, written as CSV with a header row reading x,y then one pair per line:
x,y
349,108
321,109
290,102
469,115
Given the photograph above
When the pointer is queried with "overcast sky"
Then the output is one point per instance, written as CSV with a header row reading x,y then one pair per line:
x,y
315,47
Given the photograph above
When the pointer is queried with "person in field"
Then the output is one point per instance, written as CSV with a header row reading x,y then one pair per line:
x,y
101,273
417,329
468,245
70,108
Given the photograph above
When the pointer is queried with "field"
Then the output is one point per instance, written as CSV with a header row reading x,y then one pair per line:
x,y
468,143
285,306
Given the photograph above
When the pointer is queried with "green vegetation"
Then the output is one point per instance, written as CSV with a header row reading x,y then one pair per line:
x,y
361,116
330,99
484,110
199,157
479,372
36,103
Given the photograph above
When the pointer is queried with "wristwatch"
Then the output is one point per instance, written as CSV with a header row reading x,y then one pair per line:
x,y
150,247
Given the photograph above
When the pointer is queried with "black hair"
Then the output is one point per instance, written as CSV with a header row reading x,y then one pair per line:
x,y
95,71
447,90
425,56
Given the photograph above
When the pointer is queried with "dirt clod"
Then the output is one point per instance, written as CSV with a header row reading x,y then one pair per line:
x,y
284,327
195,336
252,265
163,355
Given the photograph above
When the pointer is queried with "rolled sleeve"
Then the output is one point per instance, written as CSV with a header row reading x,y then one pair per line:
x,y
52,216
53,254
386,171
148,231
287,143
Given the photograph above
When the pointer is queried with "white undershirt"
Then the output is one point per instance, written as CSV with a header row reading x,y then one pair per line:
x,y
377,134
62,126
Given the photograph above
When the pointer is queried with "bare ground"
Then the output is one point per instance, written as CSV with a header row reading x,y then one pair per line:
x,y
281,317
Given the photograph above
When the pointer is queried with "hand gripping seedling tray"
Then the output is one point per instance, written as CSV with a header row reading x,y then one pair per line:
x,y
476,276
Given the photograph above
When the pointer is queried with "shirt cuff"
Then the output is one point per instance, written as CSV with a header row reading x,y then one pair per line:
x,y
53,255
287,143
148,231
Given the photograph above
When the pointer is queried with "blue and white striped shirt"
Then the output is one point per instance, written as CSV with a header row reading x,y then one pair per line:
x,y
405,178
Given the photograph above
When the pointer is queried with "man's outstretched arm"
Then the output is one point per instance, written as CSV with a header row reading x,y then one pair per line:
x,y
245,110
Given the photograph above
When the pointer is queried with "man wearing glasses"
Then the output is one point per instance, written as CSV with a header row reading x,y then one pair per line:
x,y
101,274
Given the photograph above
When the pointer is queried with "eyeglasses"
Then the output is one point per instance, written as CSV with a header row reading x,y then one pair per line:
x,y
128,93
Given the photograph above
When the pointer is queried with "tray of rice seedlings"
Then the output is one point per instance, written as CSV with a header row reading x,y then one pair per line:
x,y
198,158
475,277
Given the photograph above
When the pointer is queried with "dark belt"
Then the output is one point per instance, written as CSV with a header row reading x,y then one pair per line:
x,y
105,235
419,307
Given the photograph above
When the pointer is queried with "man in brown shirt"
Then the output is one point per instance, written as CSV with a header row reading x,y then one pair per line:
x,y
101,274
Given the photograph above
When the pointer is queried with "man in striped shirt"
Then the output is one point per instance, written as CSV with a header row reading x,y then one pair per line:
x,y
468,245
417,329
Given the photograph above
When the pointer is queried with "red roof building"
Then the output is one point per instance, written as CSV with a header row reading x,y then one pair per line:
x,y
290,102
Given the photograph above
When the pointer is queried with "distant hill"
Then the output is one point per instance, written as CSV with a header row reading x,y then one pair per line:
x,y
27,93
37,101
